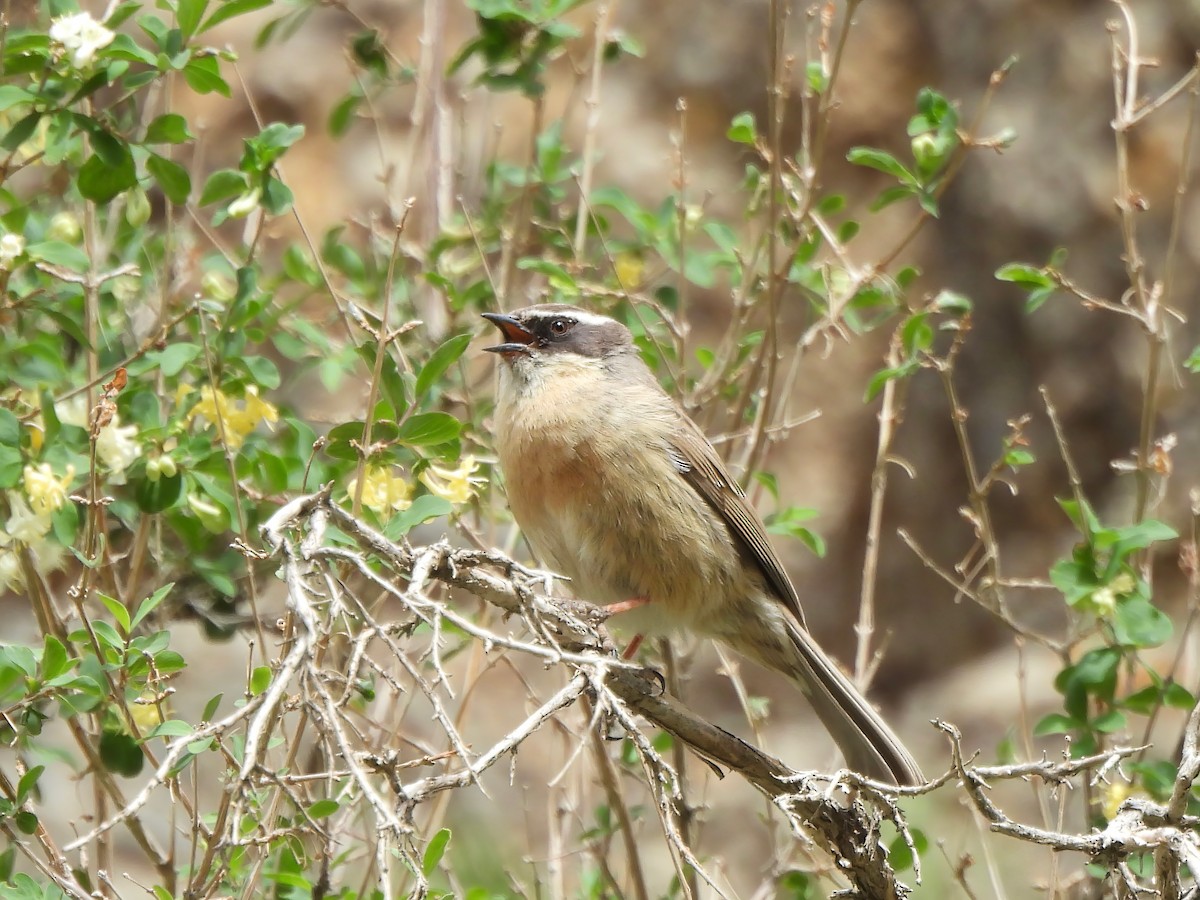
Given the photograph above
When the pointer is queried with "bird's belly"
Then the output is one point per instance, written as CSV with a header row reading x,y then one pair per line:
x,y
623,527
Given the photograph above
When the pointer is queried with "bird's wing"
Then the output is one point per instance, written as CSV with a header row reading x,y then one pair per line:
x,y
703,469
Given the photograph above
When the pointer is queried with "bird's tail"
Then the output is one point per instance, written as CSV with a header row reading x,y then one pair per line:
x,y
871,748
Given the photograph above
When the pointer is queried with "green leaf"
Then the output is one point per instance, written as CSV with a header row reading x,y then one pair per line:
x,y
277,197
900,854
558,277
953,302
260,678
815,75
11,466
174,358
263,371
150,604
100,182
20,132
1177,696
158,496
170,128
28,781
1095,674
1015,458
13,95
274,139
203,75
434,851
429,429
170,728
110,148
891,195
172,178
188,14
916,336
118,611
1083,518
1109,722
424,508
223,184
322,809
1076,579
10,429
1144,701
1138,536
120,753
60,253
230,10
1037,297
125,47
1028,276
883,376
1139,623
881,160
1056,723
439,361
210,708
1192,363
742,129
343,113
54,658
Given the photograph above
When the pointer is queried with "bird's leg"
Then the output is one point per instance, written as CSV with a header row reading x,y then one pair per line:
x,y
625,606
633,646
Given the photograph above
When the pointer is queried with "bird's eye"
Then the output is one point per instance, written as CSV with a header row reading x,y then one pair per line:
x,y
560,326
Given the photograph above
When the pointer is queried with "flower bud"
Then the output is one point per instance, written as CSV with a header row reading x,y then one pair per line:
x,y
137,207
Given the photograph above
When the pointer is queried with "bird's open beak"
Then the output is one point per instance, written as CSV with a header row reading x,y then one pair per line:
x,y
517,337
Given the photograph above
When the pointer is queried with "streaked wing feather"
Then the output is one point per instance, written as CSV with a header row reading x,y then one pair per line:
x,y
703,469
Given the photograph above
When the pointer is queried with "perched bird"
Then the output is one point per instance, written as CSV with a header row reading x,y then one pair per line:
x,y
616,488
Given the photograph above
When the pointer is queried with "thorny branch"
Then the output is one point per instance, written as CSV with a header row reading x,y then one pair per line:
x,y
841,815
326,584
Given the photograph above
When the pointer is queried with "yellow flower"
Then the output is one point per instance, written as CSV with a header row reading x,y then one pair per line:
x,y
238,417
629,269
454,485
383,490
258,409
1114,795
144,711
45,492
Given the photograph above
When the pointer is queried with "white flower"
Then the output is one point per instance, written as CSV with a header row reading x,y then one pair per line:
x,y
46,492
245,204
25,525
11,246
65,227
81,36
48,556
10,569
117,445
